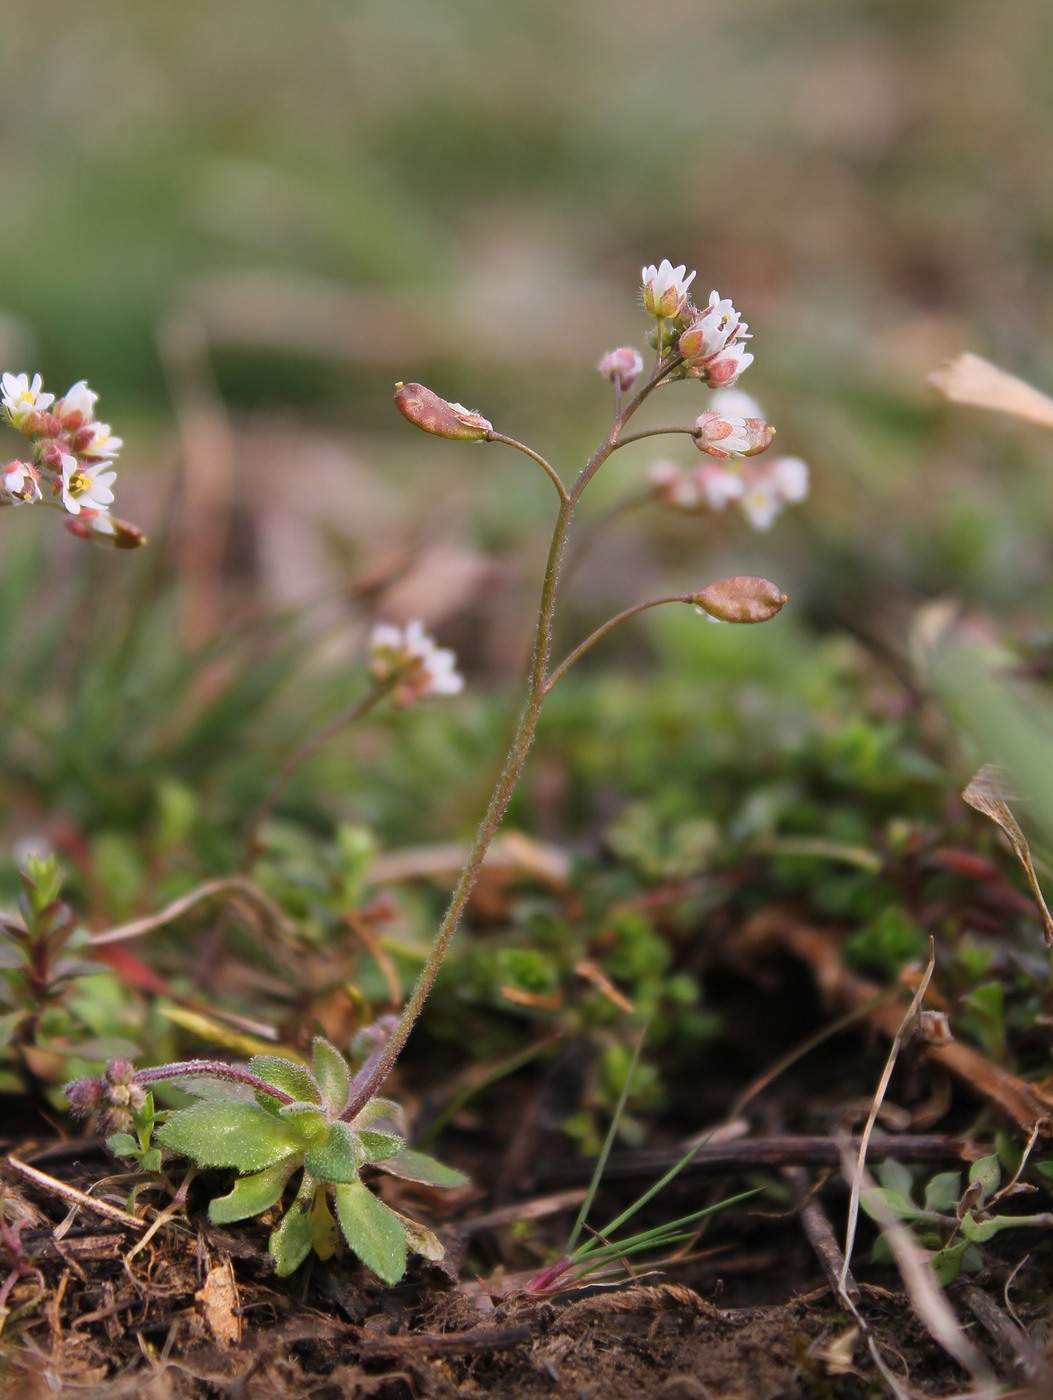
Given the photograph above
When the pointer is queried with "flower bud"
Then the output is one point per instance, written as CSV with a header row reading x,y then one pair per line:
x,y
665,289
744,598
759,434
434,415
85,1096
621,366
721,435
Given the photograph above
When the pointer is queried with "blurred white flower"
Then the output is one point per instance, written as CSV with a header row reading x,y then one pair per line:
x,y
85,486
665,289
675,487
410,658
771,485
23,399
718,485
736,401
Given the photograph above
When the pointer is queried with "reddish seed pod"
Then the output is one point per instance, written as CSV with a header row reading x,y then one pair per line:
x,y
427,411
744,598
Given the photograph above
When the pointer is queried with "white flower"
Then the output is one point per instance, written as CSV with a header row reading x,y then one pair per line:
x,y
102,443
22,399
718,486
19,482
665,289
721,435
770,486
736,401
675,487
718,326
77,407
410,658
85,487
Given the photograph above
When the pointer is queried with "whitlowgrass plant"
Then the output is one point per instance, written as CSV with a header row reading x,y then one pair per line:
x,y
276,1121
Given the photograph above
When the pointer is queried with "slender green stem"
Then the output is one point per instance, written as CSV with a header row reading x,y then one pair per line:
x,y
300,756
654,432
609,626
546,467
367,1085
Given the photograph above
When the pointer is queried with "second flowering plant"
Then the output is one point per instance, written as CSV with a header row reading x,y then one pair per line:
x,y
69,464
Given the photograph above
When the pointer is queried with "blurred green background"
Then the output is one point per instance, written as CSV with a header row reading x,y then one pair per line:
x,y
243,222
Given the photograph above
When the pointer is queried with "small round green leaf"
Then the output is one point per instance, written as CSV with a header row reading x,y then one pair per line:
x,y
376,1234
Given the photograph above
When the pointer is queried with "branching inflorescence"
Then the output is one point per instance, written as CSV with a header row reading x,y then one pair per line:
x,y
71,462
276,1118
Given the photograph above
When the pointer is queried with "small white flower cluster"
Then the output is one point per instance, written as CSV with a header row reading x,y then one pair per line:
x,y
709,342
409,658
760,490
71,463
711,346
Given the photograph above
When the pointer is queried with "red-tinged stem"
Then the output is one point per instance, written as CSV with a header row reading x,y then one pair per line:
x,y
367,1085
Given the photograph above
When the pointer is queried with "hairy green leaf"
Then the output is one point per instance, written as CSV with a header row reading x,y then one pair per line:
x,y
286,1075
252,1195
307,1121
331,1074
340,1157
122,1144
380,1147
376,1109
240,1135
376,1234
418,1166
290,1243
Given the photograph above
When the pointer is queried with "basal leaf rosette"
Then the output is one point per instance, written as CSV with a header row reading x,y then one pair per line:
x,y
297,1122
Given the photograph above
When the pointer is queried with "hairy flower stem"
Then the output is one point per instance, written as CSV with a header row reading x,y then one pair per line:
x,y
215,1069
367,1085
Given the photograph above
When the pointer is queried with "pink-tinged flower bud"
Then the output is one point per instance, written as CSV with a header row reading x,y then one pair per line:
x,y
102,528
744,598
759,434
622,366
434,415
723,369
665,289
85,1096
721,435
